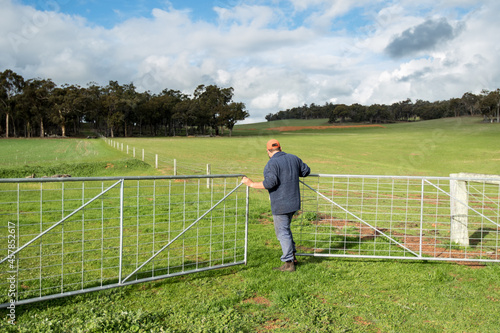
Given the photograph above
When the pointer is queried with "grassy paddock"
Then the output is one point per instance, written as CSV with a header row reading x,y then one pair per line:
x,y
430,148
323,295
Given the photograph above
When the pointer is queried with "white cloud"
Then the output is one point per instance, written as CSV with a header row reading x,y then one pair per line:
x,y
272,65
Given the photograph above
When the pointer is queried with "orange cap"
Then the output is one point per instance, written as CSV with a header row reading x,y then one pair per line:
x,y
273,144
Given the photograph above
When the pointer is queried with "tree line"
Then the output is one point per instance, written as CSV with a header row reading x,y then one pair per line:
x,y
38,108
487,104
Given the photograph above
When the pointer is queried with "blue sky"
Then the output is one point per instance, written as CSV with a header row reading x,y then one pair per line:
x,y
276,54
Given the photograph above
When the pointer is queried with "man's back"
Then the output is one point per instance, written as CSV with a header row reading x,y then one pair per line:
x,y
281,179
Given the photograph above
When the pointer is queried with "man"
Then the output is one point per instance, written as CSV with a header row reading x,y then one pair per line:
x,y
281,179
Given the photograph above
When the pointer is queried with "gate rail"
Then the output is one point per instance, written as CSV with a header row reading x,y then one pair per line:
x,y
395,217
67,236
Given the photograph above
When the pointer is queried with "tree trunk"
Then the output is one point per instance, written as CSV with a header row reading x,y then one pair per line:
x,y
7,125
42,134
63,130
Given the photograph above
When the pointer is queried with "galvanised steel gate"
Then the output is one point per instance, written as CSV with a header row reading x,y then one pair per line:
x,y
425,218
67,236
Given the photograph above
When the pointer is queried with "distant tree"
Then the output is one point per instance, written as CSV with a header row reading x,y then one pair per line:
x,y
341,111
64,101
490,105
377,113
232,113
456,106
402,110
37,101
357,113
471,102
11,85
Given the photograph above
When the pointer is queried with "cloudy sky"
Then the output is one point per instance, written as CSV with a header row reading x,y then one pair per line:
x,y
276,54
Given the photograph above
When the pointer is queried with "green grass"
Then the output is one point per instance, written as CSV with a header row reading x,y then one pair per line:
x,y
15,152
20,158
323,295
430,148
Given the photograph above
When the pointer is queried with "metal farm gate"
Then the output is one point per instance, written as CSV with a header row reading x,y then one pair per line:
x,y
67,236
424,218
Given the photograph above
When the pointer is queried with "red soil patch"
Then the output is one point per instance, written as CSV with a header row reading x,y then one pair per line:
x,y
298,128
258,300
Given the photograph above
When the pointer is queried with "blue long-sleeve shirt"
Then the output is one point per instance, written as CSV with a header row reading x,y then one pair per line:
x,y
281,179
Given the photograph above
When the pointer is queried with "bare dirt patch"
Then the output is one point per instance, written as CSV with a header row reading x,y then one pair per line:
x,y
298,128
258,300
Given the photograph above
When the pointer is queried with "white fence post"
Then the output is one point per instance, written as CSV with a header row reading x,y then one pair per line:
x,y
459,204
156,161
459,201
209,171
134,152
175,167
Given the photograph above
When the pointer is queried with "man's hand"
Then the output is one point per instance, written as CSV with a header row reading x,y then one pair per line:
x,y
248,182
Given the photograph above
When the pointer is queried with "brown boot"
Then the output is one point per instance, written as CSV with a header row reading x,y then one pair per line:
x,y
295,261
287,267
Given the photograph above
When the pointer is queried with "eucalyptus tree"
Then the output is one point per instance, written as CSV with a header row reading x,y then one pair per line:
x,y
231,114
341,111
490,105
37,102
66,102
11,86
119,101
471,102
212,101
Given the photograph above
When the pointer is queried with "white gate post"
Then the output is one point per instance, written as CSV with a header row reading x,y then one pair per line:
x,y
459,202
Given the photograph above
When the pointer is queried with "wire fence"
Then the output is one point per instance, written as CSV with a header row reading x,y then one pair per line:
x,y
61,237
442,218
176,166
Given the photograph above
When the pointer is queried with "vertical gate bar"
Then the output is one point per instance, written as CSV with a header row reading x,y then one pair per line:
x,y
347,186
392,210
406,209
224,222
331,216
236,216
197,226
183,226
154,222
137,228
41,229
247,205
211,222
153,247
121,233
83,228
62,238
169,222
17,244
421,216
361,213
376,214
102,233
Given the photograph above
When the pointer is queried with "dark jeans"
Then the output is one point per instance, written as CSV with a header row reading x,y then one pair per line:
x,y
284,235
